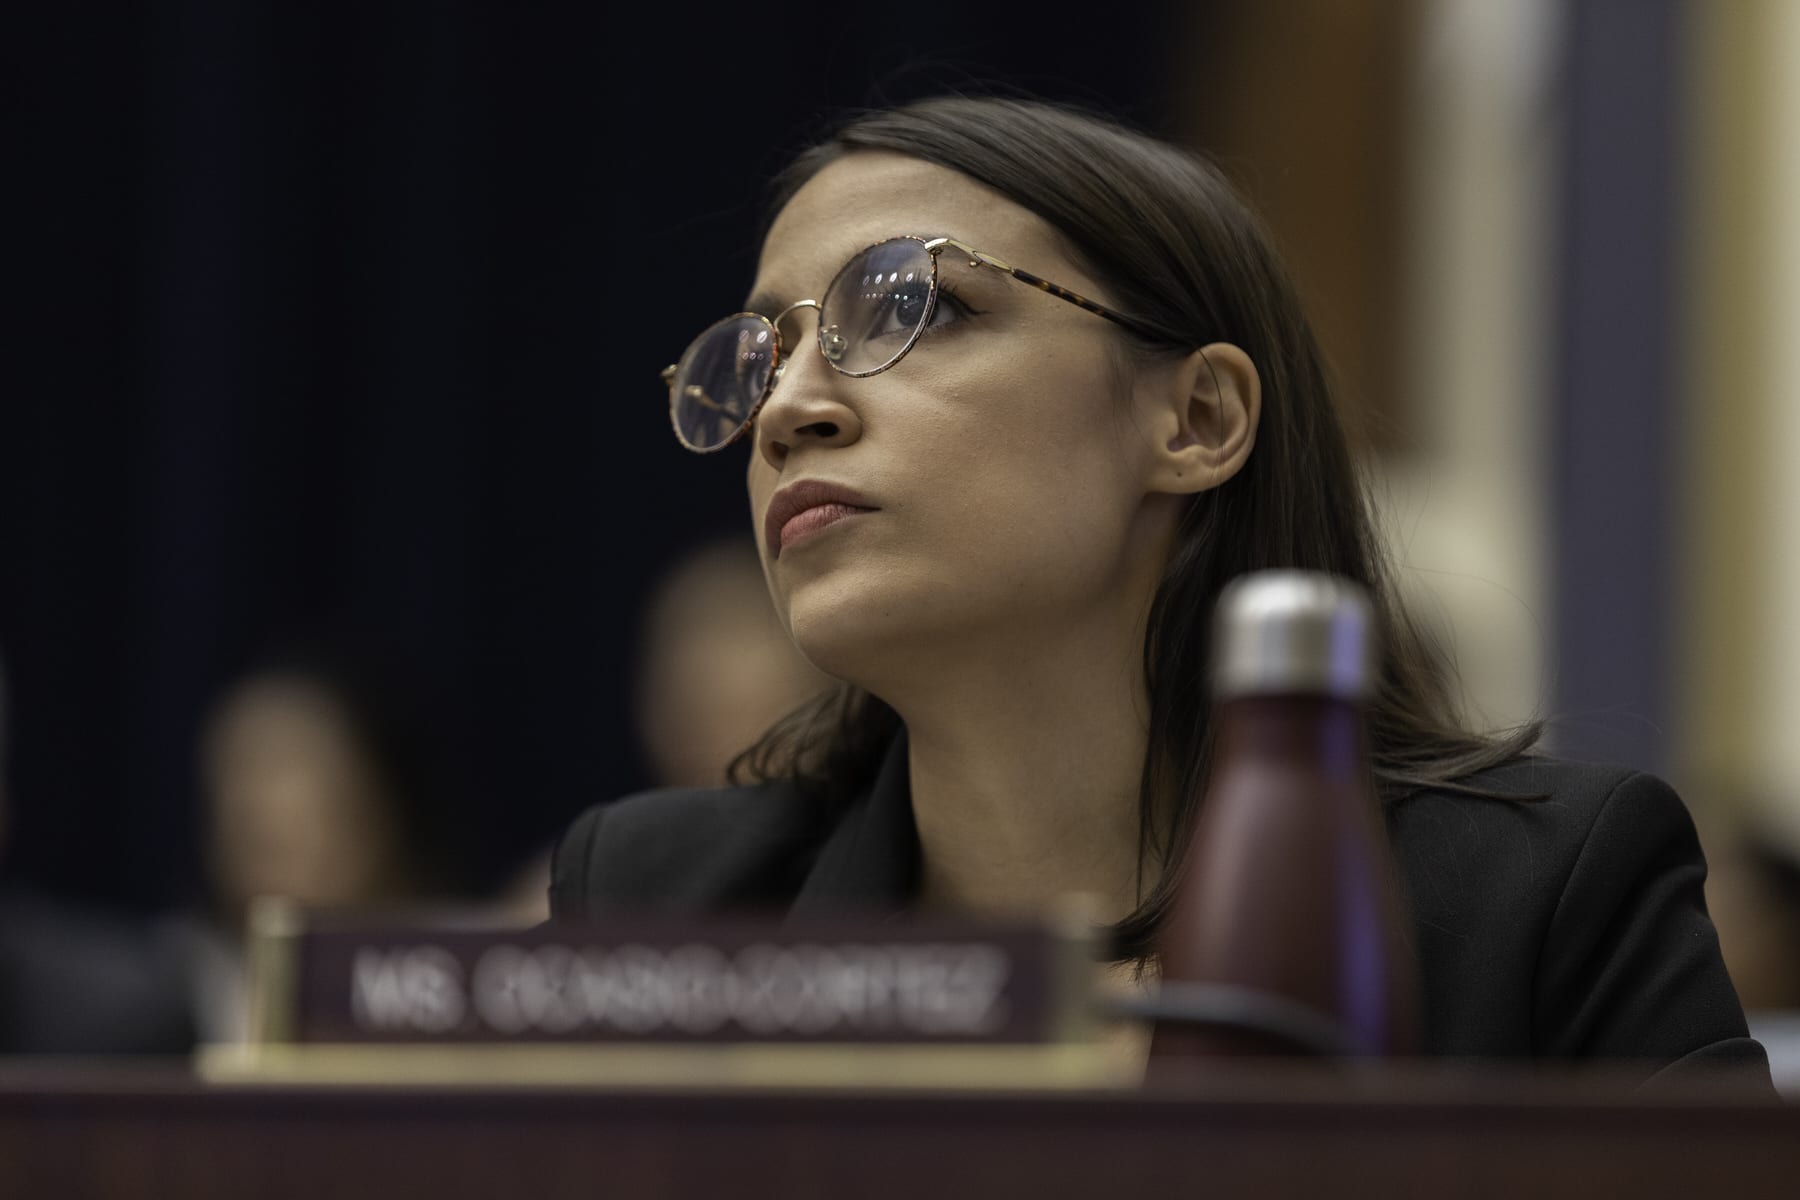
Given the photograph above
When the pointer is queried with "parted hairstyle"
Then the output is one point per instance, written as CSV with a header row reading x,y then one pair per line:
x,y
1181,253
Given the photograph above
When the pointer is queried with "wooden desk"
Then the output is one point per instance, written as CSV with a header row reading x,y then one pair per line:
x,y
73,1130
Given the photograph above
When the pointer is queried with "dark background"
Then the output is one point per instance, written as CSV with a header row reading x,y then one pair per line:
x,y
341,323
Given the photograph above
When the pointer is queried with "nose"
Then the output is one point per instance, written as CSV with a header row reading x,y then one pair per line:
x,y
808,405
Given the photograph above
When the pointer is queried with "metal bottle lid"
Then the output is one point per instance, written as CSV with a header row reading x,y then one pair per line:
x,y
1293,632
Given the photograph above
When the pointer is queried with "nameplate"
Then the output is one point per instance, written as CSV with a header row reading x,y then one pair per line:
x,y
349,980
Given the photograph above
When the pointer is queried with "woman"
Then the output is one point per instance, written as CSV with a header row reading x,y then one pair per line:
x,y
1000,510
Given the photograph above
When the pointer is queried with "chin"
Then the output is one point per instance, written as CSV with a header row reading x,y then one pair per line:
x,y
839,644
865,631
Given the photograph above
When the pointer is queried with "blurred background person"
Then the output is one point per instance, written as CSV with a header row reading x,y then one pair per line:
x,y
714,670
1753,892
317,787
78,979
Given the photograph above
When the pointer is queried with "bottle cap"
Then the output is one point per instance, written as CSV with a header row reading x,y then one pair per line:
x,y
1293,632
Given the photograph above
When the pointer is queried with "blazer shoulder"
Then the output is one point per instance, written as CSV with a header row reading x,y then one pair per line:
x,y
1581,786
683,848
1584,814
1514,846
1536,812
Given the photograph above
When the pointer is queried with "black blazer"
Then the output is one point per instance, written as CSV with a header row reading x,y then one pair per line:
x,y
1571,927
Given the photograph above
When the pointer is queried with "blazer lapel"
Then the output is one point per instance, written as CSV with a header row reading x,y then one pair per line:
x,y
870,863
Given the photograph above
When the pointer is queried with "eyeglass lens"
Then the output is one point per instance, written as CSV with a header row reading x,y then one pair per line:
x,y
871,314
720,379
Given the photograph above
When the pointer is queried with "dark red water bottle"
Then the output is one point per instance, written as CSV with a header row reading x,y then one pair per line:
x,y
1289,936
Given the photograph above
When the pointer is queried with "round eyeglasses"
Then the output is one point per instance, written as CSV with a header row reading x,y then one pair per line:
x,y
872,314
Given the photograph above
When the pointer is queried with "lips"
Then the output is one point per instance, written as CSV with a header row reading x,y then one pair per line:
x,y
806,506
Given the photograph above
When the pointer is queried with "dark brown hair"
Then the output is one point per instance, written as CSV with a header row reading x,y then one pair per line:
x,y
1182,254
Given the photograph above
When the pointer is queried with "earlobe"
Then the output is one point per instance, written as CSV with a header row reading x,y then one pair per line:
x,y
1210,406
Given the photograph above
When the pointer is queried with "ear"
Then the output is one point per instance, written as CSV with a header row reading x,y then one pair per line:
x,y
1203,414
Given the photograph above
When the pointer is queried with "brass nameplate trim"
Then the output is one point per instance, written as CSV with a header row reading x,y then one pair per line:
x,y
751,1066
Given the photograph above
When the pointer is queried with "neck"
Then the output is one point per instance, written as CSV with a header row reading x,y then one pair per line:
x,y
1025,771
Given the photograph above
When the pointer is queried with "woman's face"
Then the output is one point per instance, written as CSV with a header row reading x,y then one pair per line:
x,y
1002,457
